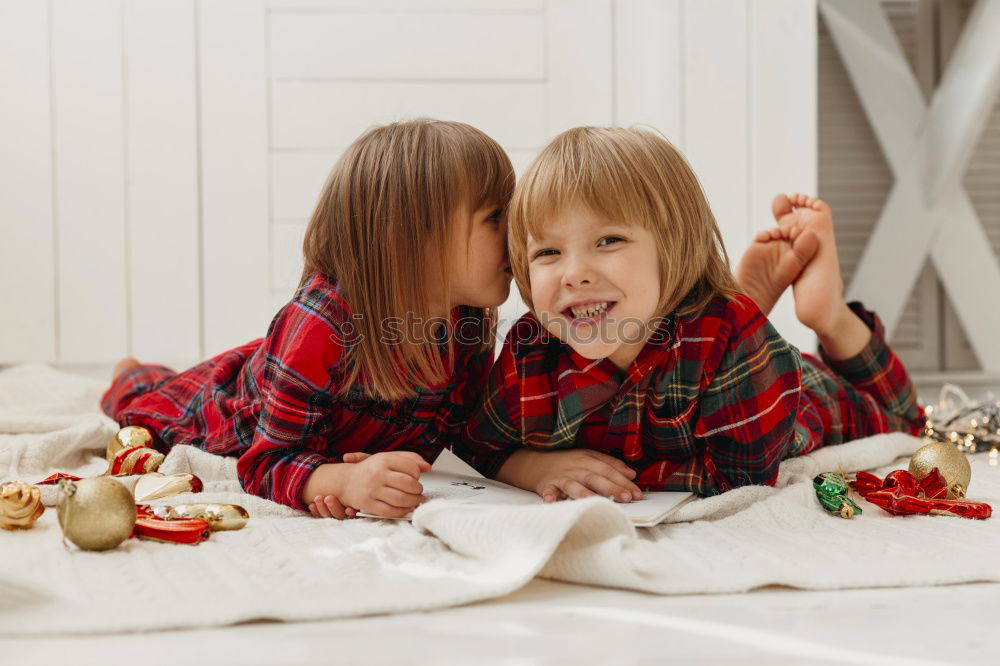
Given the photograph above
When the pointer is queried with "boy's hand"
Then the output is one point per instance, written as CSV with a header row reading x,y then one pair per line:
x,y
571,473
385,484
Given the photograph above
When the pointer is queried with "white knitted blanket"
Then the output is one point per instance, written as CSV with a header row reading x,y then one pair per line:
x,y
286,565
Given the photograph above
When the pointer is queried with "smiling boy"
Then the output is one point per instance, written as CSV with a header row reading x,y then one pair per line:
x,y
643,365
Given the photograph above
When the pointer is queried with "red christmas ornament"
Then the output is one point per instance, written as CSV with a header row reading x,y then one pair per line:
x,y
54,479
902,494
148,526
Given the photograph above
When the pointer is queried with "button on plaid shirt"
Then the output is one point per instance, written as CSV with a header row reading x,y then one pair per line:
x,y
273,402
709,404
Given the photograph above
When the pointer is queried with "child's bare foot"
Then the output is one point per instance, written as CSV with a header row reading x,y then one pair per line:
x,y
124,364
772,262
819,290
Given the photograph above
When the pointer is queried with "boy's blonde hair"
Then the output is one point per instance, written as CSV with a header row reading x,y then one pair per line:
x,y
629,176
383,230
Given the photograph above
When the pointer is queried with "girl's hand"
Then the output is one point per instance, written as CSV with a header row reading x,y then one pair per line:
x,y
385,484
330,507
571,473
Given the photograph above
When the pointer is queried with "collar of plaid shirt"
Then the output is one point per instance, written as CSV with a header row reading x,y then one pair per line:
x,y
582,385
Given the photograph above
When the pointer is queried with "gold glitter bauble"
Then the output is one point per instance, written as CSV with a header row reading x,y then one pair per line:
x,y
127,438
97,513
951,462
20,505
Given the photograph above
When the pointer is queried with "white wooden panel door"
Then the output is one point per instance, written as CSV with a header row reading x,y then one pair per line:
x,y
340,45
331,114
89,149
980,181
781,125
715,110
856,179
579,90
928,213
27,253
162,162
234,172
648,66
409,5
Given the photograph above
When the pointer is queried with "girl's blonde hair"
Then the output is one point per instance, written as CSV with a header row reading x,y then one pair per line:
x,y
630,176
383,230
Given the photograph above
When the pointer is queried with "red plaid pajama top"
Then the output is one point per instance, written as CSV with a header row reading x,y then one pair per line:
x,y
709,404
273,402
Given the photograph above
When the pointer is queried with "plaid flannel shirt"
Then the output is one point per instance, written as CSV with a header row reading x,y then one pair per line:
x,y
709,404
273,402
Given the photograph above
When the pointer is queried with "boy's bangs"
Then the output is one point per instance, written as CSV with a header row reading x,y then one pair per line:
x,y
579,175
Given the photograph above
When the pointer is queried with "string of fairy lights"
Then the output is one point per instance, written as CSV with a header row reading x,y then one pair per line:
x,y
970,427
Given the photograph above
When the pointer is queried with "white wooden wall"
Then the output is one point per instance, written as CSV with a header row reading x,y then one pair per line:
x,y
159,158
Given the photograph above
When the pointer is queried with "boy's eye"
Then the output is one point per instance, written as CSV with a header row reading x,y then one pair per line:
x,y
495,215
545,253
608,240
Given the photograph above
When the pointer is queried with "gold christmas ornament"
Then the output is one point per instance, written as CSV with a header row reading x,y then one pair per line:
x,y
20,505
218,516
138,460
128,437
951,462
156,486
97,513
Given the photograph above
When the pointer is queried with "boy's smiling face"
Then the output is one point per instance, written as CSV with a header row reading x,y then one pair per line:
x,y
595,284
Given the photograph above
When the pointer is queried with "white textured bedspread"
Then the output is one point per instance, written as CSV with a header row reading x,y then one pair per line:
x,y
286,565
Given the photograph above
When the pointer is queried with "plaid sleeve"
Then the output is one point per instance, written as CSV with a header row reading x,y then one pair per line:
x,y
747,408
471,370
491,434
303,350
878,372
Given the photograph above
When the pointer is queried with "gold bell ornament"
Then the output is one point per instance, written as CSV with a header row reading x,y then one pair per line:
x,y
131,451
97,513
949,461
129,437
20,505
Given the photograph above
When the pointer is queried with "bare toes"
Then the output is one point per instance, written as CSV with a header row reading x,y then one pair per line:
x,y
780,206
798,200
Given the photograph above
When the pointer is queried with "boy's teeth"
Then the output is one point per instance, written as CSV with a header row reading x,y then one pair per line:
x,y
591,310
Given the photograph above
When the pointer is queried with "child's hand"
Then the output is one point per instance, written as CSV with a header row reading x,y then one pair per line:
x,y
330,507
385,484
571,473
